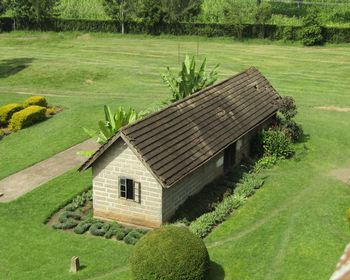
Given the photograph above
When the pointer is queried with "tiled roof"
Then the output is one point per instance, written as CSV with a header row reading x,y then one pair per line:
x,y
178,139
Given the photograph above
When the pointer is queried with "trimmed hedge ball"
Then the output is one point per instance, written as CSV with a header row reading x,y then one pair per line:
x,y
170,253
35,100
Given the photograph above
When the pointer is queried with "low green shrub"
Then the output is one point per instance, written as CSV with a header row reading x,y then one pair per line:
x,y
35,101
99,228
7,111
170,253
68,224
287,107
277,143
264,163
27,117
79,201
51,111
294,130
120,234
203,225
113,230
65,215
2,133
83,227
132,237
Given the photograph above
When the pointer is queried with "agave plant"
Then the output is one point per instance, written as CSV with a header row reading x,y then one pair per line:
x,y
112,123
188,80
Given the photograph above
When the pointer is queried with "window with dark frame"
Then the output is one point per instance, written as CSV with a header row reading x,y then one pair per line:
x,y
127,189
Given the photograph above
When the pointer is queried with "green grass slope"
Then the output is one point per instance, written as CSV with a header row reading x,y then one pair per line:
x,y
293,228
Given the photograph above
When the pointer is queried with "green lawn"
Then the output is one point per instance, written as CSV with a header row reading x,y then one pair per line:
x,y
293,228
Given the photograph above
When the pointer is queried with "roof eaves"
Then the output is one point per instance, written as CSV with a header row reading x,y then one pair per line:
x,y
87,164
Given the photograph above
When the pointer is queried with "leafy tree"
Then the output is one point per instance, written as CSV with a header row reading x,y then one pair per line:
x,y
156,12
120,10
311,33
263,14
151,14
112,123
237,14
180,10
189,80
34,10
2,6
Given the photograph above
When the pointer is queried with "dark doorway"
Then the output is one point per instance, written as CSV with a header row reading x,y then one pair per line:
x,y
229,157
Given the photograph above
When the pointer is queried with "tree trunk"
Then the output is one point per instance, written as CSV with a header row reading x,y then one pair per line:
x,y
123,27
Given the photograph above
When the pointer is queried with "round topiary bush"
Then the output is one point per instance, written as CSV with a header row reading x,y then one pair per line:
x,y
170,253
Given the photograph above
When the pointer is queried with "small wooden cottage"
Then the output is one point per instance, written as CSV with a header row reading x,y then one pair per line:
x,y
148,169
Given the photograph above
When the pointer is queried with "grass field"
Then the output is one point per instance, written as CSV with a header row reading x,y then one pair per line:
x,y
293,228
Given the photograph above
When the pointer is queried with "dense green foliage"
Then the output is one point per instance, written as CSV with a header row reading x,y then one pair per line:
x,y
120,10
35,100
170,253
113,122
82,9
27,117
286,119
7,111
35,10
311,33
277,143
190,79
246,187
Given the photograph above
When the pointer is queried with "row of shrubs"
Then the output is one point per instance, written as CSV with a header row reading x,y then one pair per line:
x,y
73,220
277,144
243,31
18,116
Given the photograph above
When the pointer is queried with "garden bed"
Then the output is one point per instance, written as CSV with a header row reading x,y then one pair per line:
x,y
77,218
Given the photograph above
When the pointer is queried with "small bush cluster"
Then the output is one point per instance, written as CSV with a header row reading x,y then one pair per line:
x,y
277,143
246,187
27,117
17,116
7,111
83,226
77,216
287,112
79,201
99,228
170,253
35,101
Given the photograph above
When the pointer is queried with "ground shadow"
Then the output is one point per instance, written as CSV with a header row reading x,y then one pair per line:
x,y
216,272
11,67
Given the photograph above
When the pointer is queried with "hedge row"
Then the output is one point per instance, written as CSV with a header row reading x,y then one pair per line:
x,y
273,32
